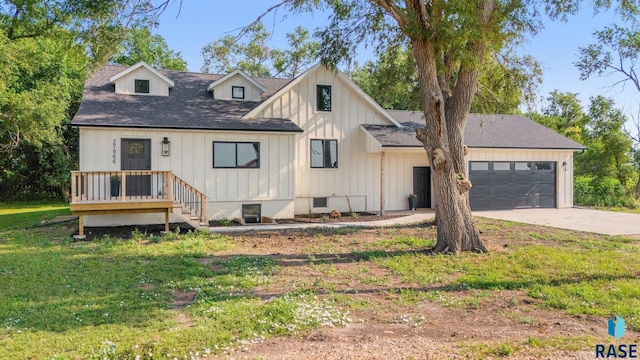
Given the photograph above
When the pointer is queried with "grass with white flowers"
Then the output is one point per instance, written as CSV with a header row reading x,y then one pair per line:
x,y
112,298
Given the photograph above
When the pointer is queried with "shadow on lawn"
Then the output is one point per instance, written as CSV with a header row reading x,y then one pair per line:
x,y
71,286
217,266
58,288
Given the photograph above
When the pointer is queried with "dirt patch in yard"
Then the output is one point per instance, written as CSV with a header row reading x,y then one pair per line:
x,y
392,317
124,232
180,300
395,319
341,217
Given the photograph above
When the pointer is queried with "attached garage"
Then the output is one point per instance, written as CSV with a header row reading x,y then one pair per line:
x,y
512,162
512,184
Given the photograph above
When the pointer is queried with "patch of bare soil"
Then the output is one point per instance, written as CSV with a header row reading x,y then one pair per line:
x,y
180,300
328,218
124,232
332,264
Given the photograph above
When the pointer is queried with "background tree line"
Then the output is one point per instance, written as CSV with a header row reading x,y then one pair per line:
x,y
47,49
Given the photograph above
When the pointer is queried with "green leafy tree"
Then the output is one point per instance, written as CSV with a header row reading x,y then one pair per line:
x,y
608,158
40,87
141,45
506,82
449,41
609,153
227,54
391,80
616,52
300,55
98,25
256,58
564,114
47,49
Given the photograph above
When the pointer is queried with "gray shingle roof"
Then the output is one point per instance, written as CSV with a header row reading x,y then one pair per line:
x,y
188,106
482,131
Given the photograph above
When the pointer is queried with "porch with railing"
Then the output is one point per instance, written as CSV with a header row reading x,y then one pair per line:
x,y
135,191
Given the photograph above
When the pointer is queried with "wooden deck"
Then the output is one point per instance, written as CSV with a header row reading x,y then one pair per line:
x,y
135,192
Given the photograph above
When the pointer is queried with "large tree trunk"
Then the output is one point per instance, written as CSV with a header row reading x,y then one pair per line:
x,y
638,187
445,118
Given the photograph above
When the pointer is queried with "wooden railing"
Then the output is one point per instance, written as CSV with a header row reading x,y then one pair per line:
x,y
189,197
136,186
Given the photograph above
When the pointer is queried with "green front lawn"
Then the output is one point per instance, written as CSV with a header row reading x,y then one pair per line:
x,y
21,215
114,298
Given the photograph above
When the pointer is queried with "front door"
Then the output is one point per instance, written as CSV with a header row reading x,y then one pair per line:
x,y
136,155
422,185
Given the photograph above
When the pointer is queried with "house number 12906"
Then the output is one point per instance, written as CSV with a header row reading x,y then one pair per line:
x,y
114,152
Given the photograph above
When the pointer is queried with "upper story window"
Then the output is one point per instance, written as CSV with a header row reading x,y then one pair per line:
x,y
324,153
323,93
237,92
142,86
232,155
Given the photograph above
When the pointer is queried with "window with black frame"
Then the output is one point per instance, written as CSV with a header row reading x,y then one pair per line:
x,y
324,153
142,86
323,93
231,155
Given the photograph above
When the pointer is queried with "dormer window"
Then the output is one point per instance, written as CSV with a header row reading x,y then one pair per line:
x,y
142,86
237,92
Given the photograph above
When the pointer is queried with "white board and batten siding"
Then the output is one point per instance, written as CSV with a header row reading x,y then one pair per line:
x,y
564,177
398,171
358,174
126,84
191,158
399,164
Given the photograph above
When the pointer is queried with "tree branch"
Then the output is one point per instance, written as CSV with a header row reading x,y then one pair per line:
x,y
245,29
394,11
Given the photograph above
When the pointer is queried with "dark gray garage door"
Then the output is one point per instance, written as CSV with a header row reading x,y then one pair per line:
x,y
511,185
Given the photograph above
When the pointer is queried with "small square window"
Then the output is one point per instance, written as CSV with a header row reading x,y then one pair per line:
x,y
251,214
522,166
237,92
320,202
324,97
142,86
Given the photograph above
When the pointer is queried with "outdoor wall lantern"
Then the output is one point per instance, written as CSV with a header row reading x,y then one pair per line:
x,y
165,146
564,165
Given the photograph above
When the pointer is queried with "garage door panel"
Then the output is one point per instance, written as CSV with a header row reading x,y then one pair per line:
x,y
546,189
522,202
481,189
509,185
501,202
500,190
544,177
521,189
500,177
479,177
545,201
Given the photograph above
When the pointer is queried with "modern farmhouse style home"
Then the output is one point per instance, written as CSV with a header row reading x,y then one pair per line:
x,y
198,147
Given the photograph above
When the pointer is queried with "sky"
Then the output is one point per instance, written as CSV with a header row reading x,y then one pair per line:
x,y
196,23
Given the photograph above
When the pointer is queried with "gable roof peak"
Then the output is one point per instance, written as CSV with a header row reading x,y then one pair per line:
x,y
340,75
234,73
135,67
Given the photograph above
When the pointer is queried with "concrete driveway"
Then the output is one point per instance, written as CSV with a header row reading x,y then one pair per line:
x,y
596,221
